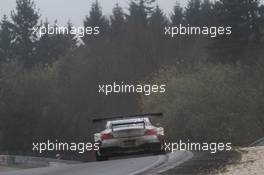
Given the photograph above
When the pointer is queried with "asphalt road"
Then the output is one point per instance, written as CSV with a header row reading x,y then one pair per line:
x,y
129,166
7,168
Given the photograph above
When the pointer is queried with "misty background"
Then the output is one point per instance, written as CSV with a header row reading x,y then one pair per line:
x,y
49,84
75,10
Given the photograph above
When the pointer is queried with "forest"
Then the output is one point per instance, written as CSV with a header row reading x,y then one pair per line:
x,y
214,86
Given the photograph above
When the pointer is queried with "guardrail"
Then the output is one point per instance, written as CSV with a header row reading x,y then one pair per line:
x,y
32,162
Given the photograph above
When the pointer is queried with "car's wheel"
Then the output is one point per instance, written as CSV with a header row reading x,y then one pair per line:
x,y
100,157
161,151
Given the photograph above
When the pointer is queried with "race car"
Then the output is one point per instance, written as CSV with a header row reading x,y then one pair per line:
x,y
129,135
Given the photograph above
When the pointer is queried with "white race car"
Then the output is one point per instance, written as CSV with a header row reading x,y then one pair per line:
x,y
127,135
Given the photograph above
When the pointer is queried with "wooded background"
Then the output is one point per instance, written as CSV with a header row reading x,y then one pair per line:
x,y
215,86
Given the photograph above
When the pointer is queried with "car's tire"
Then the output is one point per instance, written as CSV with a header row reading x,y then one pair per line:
x,y
160,152
100,157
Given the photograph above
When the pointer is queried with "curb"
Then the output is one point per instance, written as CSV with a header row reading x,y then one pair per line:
x,y
175,159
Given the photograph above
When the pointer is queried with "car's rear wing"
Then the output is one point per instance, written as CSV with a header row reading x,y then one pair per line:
x,y
126,124
96,120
